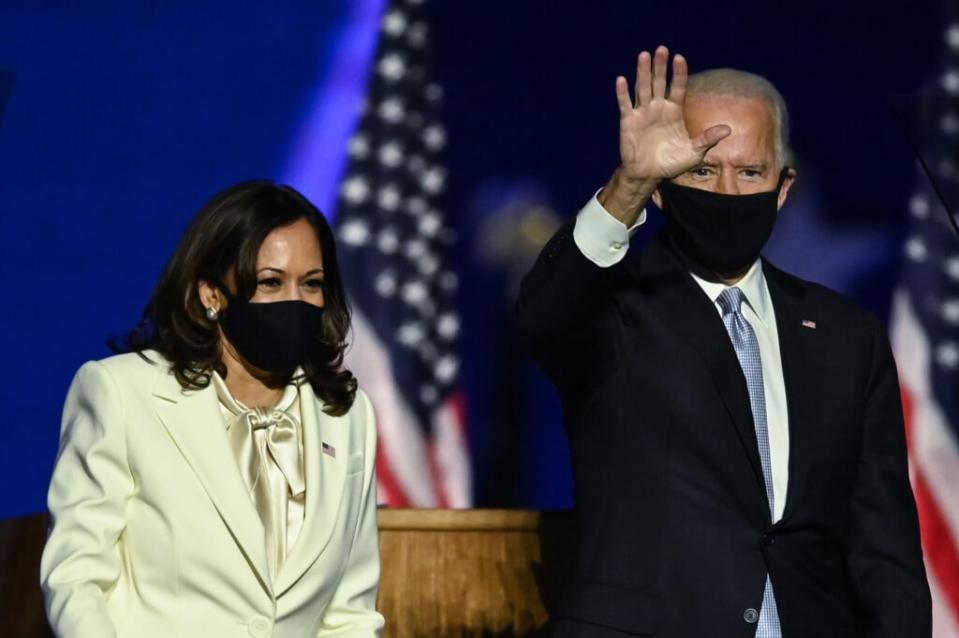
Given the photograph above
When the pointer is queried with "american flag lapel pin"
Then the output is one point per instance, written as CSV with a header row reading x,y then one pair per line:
x,y
806,323
329,449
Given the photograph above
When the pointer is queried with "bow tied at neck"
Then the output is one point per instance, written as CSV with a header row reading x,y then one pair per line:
x,y
282,447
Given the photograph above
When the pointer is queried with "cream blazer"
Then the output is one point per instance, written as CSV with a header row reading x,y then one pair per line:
x,y
153,533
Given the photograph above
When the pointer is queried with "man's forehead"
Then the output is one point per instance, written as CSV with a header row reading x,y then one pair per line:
x,y
751,120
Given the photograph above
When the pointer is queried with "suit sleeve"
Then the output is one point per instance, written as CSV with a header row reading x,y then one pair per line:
x,y
88,491
561,306
352,610
884,556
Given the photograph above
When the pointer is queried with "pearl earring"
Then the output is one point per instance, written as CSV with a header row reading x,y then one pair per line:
x,y
211,314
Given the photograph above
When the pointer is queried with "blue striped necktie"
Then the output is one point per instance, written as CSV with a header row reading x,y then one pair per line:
x,y
747,351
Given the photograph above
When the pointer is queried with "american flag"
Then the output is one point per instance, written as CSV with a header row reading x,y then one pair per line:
x,y
394,243
925,337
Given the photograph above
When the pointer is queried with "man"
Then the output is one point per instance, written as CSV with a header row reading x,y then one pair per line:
x,y
736,433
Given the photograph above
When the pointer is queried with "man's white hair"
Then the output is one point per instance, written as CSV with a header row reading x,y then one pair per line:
x,y
742,84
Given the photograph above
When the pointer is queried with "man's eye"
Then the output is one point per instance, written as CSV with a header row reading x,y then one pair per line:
x,y
750,172
702,171
269,282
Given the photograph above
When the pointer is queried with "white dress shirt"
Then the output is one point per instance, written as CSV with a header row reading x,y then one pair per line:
x,y
604,240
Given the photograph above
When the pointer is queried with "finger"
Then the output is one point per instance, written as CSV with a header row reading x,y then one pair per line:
x,y
622,97
677,88
660,63
644,85
710,138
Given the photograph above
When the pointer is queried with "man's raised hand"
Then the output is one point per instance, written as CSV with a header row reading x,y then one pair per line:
x,y
653,141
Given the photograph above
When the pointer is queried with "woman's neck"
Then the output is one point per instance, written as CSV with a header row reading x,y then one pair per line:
x,y
248,389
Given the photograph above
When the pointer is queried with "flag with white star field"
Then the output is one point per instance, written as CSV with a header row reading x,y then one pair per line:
x,y
393,244
925,339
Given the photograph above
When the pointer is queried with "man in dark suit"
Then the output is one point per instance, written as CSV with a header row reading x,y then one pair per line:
x,y
736,433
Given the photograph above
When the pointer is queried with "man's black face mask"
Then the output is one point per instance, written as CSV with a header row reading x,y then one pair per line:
x,y
720,234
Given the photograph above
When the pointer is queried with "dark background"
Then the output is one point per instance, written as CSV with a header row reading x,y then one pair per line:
x,y
125,117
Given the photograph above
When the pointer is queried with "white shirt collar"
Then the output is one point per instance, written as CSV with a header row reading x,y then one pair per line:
x,y
753,286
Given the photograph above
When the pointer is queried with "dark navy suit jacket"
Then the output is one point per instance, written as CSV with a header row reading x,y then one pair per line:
x,y
675,533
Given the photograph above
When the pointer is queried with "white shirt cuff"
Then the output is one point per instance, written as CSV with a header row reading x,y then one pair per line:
x,y
602,238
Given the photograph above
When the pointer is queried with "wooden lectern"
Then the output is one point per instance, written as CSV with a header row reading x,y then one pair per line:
x,y
445,573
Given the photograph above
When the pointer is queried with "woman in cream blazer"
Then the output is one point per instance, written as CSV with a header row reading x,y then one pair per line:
x,y
161,516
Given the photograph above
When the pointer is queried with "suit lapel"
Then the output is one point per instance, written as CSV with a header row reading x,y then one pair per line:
x,y
193,421
325,476
797,344
685,308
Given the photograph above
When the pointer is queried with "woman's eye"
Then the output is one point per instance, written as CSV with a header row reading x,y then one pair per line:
x,y
315,284
269,282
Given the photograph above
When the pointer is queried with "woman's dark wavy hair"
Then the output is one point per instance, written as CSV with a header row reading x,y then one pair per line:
x,y
226,234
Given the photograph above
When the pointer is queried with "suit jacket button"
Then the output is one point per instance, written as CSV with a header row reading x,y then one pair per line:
x,y
769,539
751,616
259,627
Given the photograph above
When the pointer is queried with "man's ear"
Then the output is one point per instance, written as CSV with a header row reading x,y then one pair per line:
x,y
784,189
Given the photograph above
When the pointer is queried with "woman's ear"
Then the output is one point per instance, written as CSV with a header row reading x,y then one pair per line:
x,y
210,296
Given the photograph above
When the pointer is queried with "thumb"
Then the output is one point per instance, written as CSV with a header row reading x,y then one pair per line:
x,y
711,137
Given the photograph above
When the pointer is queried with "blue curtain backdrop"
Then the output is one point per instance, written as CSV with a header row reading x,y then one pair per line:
x,y
125,117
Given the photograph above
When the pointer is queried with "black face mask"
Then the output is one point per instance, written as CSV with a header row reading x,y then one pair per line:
x,y
274,336
720,234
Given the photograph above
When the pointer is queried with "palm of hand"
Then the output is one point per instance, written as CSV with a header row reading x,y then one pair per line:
x,y
654,142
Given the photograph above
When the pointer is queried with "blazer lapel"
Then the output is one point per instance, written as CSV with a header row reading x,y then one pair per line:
x,y
193,421
325,476
676,297
797,344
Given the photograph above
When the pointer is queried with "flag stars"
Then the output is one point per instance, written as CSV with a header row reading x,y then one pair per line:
x,y
392,110
433,92
916,249
947,355
446,368
414,292
434,137
950,311
392,66
414,249
433,180
416,35
394,23
355,190
449,281
952,37
919,206
428,264
950,82
448,326
390,154
389,198
410,334
354,233
429,394
949,123
388,242
385,284
359,147
416,205
430,224
952,268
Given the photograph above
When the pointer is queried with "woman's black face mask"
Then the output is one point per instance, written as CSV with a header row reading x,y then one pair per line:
x,y
720,234
274,336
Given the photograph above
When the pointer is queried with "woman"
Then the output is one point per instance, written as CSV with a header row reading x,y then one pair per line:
x,y
220,480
